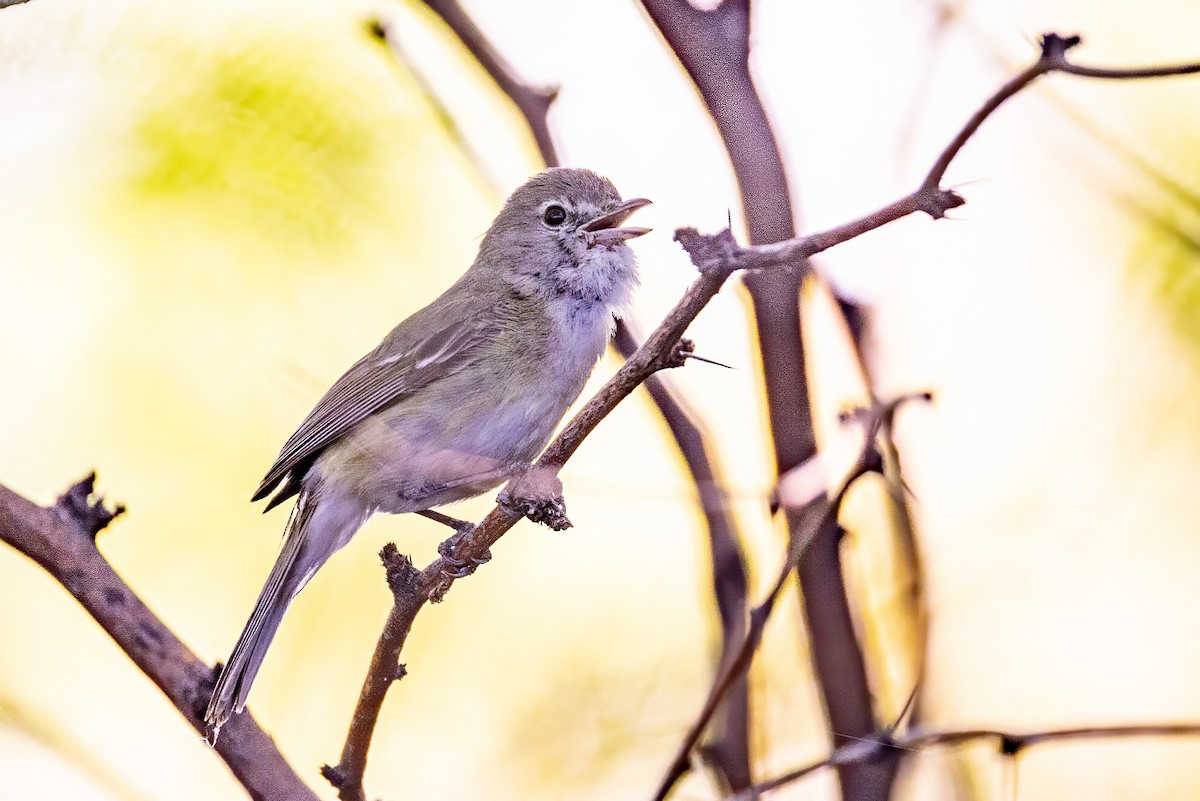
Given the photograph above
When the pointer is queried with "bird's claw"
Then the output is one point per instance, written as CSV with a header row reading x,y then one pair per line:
x,y
460,568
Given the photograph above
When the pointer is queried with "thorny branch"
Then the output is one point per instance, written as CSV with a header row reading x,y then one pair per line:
x,y
928,197
660,351
62,539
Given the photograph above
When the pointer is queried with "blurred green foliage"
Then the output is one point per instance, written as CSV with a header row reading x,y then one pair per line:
x,y
266,143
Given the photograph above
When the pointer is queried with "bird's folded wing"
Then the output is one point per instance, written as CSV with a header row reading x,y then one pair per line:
x,y
379,379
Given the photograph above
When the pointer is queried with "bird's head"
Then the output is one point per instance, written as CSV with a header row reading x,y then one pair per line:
x,y
561,235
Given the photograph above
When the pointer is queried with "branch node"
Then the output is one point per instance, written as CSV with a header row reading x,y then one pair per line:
x,y
376,29
81,505
1011,744
677,356
401,572
461,568
334,775
401,671
441,585
1055,47
715,255
938,201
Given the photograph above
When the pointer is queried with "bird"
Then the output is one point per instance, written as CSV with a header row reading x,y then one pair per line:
x,y
457,399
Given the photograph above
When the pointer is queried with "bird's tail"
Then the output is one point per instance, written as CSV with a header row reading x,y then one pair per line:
x,y
315,531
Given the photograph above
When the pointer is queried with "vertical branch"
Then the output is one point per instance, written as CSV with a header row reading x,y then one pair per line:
x,y
714,48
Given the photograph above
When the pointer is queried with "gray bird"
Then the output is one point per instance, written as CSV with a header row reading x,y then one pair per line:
x,y
458,398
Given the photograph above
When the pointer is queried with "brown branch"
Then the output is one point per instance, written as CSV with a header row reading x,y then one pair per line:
x,y
431,584
384,669
714,48
1053,59
61,538
1008,743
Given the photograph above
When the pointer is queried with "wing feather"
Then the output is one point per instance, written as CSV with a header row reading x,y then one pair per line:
x,y
377,380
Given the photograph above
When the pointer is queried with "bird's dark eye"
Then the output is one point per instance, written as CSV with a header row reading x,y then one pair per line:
x,y
554,215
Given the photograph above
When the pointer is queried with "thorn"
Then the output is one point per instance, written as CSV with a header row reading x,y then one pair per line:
x,y
707,361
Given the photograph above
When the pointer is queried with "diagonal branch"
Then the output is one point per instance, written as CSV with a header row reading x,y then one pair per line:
x,y
533,102
61,538
728,747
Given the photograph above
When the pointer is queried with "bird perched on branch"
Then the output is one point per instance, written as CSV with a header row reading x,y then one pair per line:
x,y
457,399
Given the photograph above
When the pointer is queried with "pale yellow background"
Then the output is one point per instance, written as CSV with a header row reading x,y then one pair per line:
x,y
209,209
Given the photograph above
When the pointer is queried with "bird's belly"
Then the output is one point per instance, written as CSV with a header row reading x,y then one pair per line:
x,y
405,463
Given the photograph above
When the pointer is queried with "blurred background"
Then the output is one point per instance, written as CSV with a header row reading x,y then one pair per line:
x,y
210,209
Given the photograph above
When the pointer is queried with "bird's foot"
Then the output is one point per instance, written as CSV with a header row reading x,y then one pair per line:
x,y
537,494
460,568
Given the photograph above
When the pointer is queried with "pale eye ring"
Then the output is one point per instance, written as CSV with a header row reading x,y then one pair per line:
x,y
554,215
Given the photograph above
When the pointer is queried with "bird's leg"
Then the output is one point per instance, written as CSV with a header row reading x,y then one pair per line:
x,y
461,528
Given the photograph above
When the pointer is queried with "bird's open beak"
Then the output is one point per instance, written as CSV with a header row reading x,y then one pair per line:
x,y
606,229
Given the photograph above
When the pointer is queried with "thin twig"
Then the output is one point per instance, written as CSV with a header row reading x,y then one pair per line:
x,y
61,538
533,102
1008,744
929,197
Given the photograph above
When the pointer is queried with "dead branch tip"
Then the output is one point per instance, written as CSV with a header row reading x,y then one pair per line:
x,y
81,505
401,573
